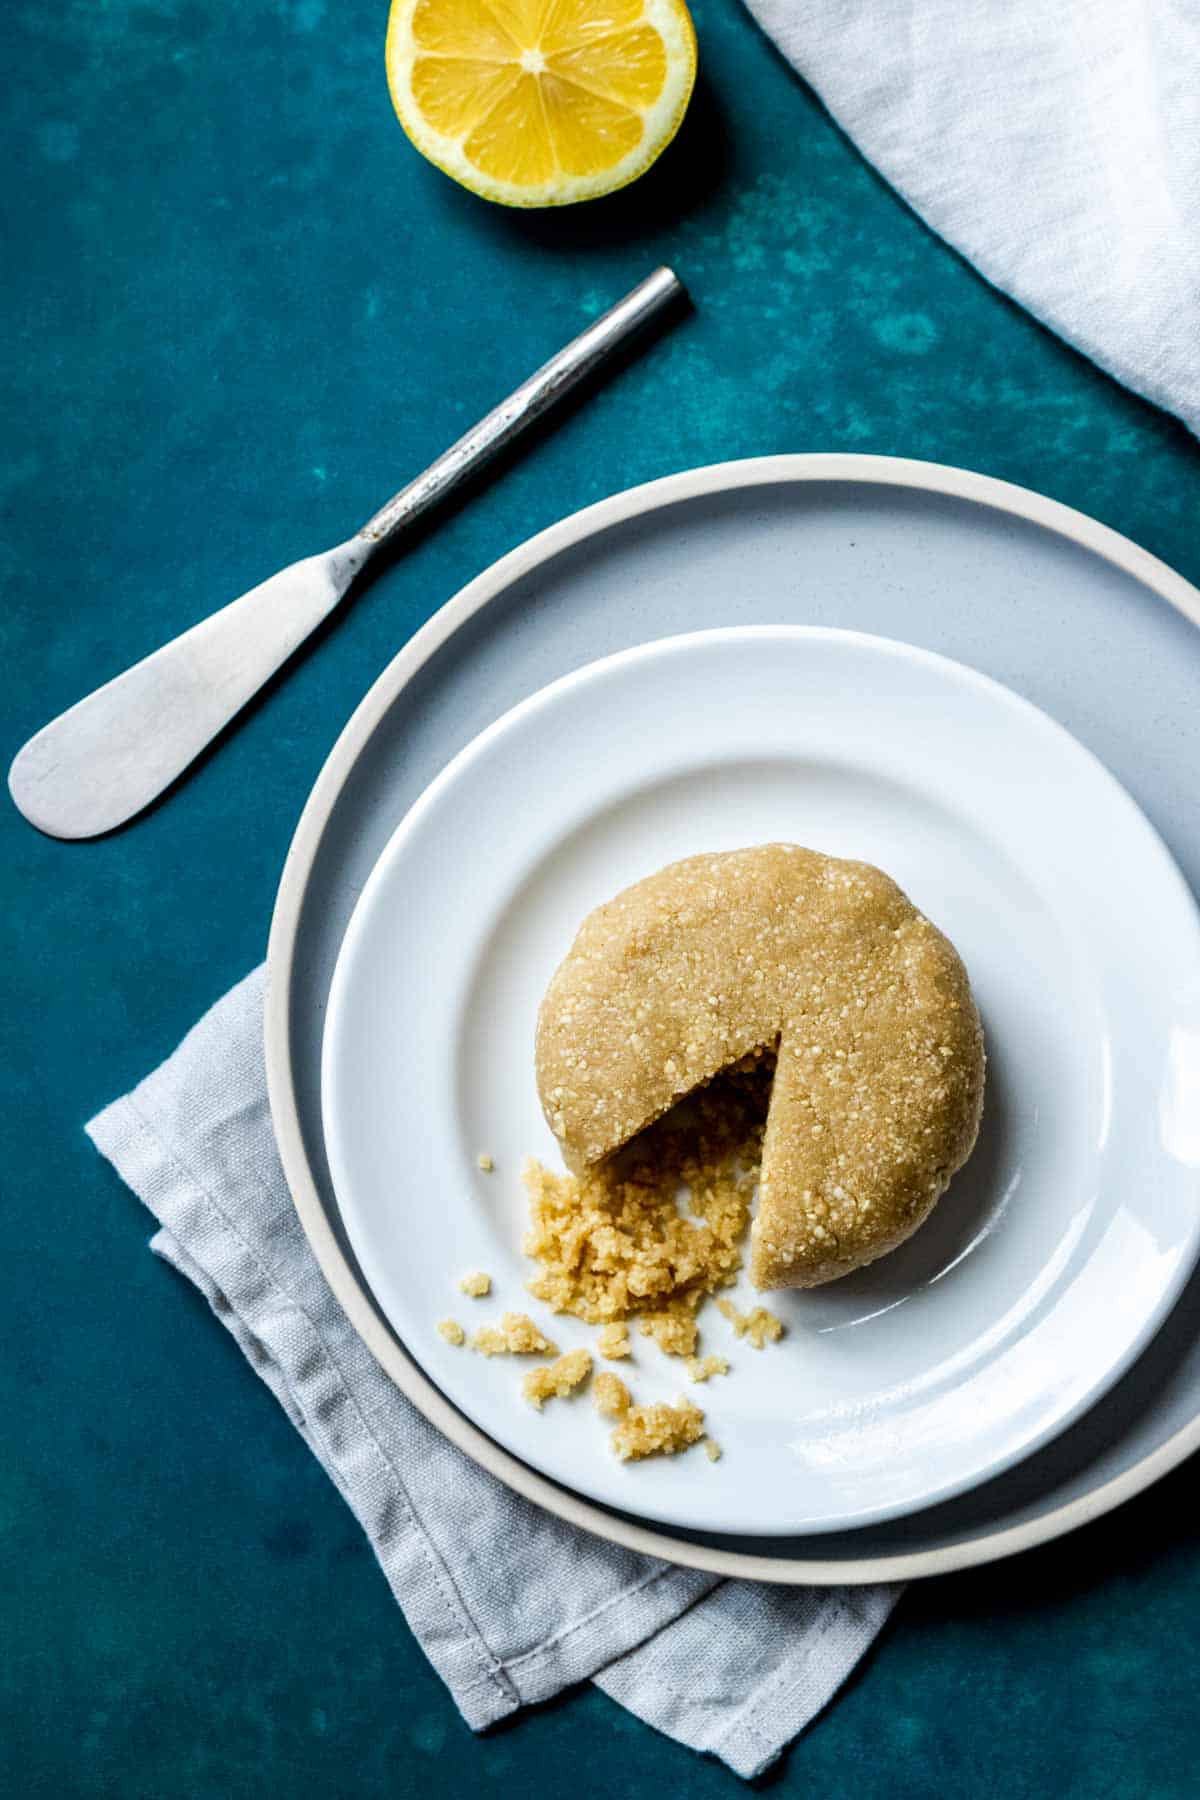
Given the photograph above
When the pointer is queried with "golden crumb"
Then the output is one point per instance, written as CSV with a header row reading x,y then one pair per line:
x,y
613,1341
657,1430
452,1331
611,1395
673,1330
701,1368
476,1284
615,1243
758,1327
516,1335
712,1450
557,1379
485,1162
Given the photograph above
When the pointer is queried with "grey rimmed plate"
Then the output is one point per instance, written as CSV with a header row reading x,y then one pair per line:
x,y
1047,601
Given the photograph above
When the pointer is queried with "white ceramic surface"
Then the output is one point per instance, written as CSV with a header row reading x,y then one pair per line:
x,y
1055,1253
1051,602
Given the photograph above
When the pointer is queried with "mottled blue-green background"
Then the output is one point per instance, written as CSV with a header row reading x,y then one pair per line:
x,y
237,310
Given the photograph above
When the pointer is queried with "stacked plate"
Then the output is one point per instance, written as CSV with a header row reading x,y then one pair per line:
x,y
807,649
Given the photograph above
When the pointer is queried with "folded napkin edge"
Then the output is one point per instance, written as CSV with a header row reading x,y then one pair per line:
x,y
136,1150
483,1692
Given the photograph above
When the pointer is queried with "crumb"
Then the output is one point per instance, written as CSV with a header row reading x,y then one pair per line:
x,y
557,1379
613,1341
611,1395
700,1368
673,1330
452,1331
657,1430
712,1450
476,1284
516,1335
485,1162
759,1327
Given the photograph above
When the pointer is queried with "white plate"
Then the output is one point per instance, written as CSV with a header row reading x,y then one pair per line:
x,y
1045,599
1055,1254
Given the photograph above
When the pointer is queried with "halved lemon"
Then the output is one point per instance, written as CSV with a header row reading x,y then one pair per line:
x,y
541,102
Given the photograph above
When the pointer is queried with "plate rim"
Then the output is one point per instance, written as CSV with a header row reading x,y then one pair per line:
x,y
1162,869
787,469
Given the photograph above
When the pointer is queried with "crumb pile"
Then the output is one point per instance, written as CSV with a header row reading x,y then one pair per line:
x,y
649,1237
614,1244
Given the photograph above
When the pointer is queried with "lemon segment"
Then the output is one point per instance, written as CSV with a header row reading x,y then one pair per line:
x,y
541,102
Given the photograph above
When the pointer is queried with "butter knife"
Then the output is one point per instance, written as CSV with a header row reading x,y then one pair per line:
x,y
104,760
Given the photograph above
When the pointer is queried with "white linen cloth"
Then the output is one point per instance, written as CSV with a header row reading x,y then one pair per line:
x,y
509,1604
1055,143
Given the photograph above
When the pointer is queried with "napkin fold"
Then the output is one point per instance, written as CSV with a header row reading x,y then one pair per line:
x,y
1054,145
509,1603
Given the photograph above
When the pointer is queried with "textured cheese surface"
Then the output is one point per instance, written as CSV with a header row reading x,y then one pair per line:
x,y
879,1076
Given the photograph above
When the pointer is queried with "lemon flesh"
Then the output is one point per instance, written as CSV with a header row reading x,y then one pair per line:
x,y
541,102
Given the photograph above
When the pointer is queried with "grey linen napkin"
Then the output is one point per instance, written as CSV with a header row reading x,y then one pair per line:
x,y
735,1668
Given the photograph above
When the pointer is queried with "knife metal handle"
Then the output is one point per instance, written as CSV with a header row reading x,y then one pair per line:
x,y
534,397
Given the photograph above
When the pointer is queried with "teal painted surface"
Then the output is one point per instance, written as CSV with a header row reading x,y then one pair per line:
x,y
237,311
